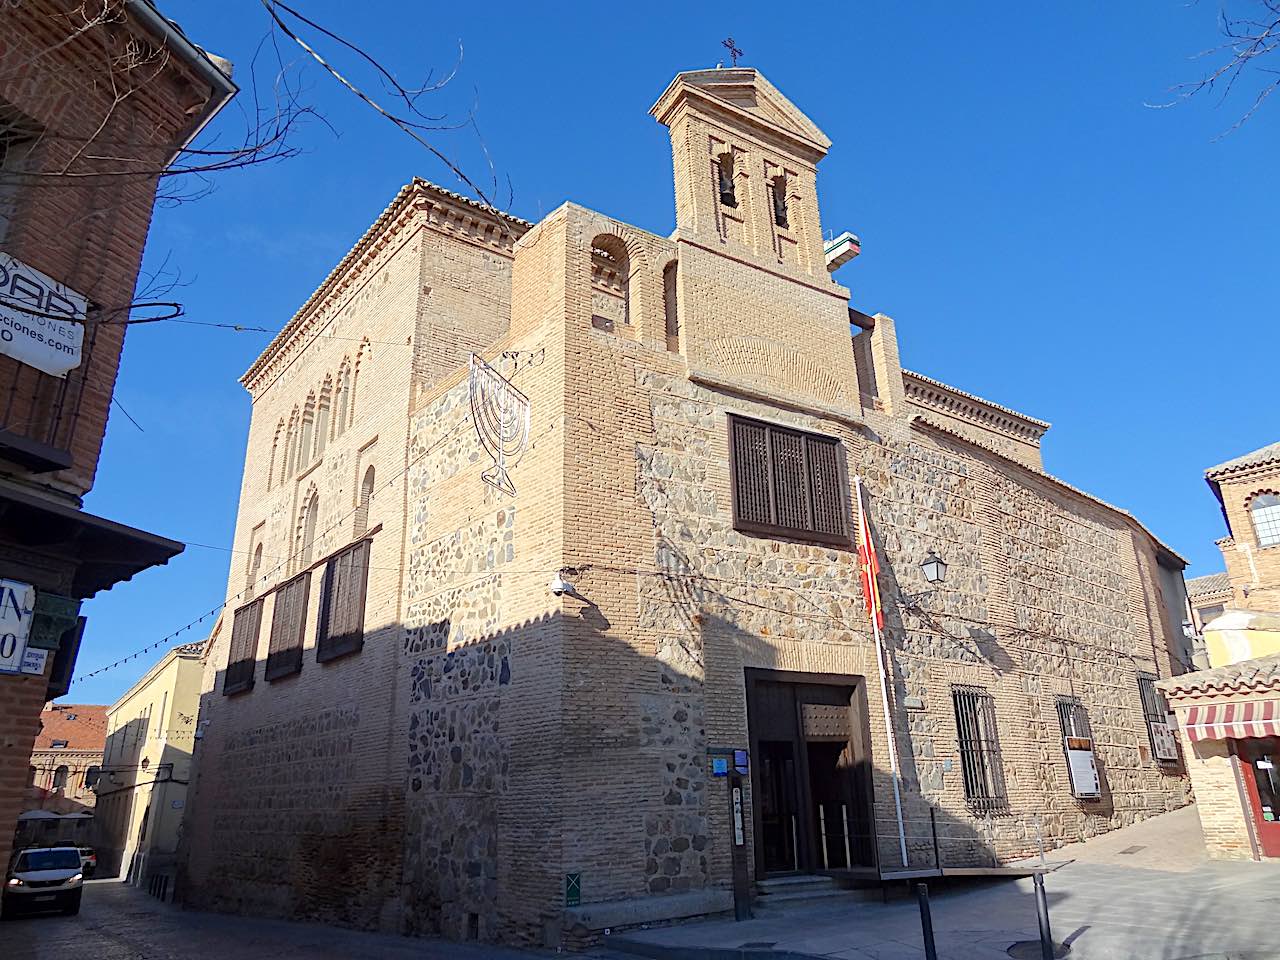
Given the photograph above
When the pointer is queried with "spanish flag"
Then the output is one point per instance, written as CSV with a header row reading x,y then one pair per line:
x,y
870,563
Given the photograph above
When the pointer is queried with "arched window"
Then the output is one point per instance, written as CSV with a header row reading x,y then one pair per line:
x,y
60,778
322,423
724,179
341,398
309,528
610,283
306,449
290,458
778,194
362,511
275,452
669,306
361,359
91,777
1265,509
255,567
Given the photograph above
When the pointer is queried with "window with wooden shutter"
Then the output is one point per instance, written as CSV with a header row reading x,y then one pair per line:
x,y
980,760
341,626
787,483
243,654
288,627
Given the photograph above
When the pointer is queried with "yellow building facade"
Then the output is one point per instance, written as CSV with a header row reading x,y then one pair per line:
x,y
146,766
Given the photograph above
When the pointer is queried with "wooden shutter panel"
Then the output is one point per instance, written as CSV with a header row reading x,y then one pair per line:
x,y
751,473
288,627
342,603
826,486
244,648
791,481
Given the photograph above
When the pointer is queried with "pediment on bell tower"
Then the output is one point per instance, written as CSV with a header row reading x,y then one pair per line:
x,y
745,92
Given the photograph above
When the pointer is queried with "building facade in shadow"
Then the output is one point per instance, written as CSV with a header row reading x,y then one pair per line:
x,y
502,634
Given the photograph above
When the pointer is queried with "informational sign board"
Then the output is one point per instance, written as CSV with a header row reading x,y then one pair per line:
x,y
17,606
33,662
41,320
1163,742
719,766
1084,771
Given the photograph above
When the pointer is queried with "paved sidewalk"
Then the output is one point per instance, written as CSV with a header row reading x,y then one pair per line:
x,y
1164,901
118,922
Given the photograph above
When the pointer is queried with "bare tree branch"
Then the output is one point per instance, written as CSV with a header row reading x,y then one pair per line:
x,y
1249,40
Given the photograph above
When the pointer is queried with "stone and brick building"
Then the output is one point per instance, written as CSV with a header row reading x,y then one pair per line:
x,y
402,700
64,768
1229,713
95,100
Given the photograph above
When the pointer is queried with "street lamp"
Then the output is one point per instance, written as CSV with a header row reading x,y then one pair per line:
x,y
934,567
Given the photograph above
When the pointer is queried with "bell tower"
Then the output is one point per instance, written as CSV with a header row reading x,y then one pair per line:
x,y
757,302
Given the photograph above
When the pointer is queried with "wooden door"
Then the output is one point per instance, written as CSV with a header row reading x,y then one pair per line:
x,y
1261,761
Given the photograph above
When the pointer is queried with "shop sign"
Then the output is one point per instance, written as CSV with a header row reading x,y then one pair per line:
x,y
41,320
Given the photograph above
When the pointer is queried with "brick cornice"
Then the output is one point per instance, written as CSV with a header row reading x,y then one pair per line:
x,y
418,203
933,394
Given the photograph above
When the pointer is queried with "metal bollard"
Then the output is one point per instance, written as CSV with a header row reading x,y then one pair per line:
x,y
926,921
1042,911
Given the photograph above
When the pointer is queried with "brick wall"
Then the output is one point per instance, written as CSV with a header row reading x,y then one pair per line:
x,y
1254,570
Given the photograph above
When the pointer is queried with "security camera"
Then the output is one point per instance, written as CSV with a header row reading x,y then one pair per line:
x,y
559,586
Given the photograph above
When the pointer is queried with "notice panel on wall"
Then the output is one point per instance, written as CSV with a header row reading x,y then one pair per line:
x,y
1083,769
1164,744
41,320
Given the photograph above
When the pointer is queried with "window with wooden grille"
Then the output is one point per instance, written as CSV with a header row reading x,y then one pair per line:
x,y
341,626
980,761
288,627
244,648
787,483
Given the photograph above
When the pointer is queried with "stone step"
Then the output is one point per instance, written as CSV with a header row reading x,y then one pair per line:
x,y
775,886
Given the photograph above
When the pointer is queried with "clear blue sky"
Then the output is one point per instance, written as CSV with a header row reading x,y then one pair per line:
x,y
1042,238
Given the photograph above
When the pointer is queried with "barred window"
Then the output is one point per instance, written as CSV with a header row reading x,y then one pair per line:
x,y
244,648
288,627
341,627
1155,711
980,761
1074,718
786,482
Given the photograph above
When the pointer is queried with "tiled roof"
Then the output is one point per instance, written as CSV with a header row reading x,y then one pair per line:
x,y
1210,583
88,731
1259,457
1248,676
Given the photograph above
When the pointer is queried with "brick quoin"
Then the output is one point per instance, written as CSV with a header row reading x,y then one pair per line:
x,y
490,739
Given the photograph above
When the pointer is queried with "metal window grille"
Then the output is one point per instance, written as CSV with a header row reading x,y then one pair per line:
x,y
288,627
1074,718
1265,509
341,627
980,761
1155,711
787,483
242,656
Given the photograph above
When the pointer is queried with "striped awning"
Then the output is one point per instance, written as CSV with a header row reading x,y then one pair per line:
x,y
1220,721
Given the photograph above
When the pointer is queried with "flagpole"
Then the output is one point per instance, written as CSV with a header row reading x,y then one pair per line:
x,y
865,531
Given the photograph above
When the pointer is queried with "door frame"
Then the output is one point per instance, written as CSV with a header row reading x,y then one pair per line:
x,y
860,738
1267,831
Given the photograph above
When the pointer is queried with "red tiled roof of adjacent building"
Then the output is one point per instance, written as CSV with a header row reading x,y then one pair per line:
x,y
83,726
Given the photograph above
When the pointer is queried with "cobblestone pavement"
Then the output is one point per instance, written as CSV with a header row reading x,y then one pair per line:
x,y
1163,899
118,922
